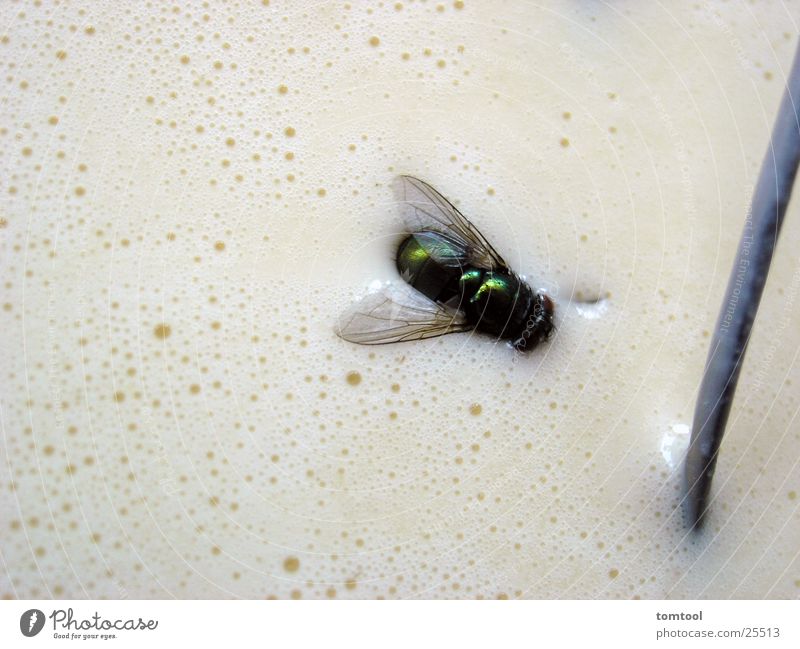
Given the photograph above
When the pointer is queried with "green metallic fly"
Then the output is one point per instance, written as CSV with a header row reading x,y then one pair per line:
x,y
455,281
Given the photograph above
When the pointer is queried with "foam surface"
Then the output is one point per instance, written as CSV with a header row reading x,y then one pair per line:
x,y
191,195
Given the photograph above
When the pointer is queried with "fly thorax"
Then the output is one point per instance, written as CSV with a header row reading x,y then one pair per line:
x,y
497,303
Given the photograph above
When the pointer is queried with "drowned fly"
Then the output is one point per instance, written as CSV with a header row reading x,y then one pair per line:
x,y
455,281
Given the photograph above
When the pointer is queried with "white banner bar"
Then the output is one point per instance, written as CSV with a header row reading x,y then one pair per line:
x,y
403,624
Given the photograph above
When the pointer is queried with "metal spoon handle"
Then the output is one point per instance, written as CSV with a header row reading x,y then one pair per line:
x,y
745,286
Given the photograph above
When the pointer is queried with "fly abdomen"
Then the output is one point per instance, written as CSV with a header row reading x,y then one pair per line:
x,y
432,263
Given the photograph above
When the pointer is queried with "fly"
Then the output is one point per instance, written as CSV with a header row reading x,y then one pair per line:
x,y
455,281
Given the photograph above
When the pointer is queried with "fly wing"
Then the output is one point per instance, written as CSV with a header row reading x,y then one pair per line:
x,y
444,249
397,313
426,209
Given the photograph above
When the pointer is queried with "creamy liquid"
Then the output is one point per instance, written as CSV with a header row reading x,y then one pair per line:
x,y
192,194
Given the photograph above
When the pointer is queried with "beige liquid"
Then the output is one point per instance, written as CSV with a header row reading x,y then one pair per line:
x,y
192,194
